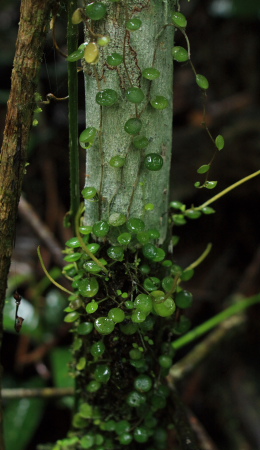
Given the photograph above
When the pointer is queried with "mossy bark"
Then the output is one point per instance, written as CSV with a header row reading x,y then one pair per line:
x,y
34,20
126,190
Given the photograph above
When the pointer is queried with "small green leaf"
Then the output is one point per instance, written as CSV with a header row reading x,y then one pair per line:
x,y
89,193
149,207
219,141
193,214
82,363
197,184
179,19
208,210
151,73
86,410
71,317
178,205
179,219
175,240
210,184
187,274
116,219
180,54
133,24
73,257
75,56
115,59
204,168
202,81
87,137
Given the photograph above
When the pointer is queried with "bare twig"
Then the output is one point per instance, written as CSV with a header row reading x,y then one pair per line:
x,y
28,213
204,439
36,392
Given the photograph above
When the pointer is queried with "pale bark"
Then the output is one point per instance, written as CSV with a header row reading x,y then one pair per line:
x,y
128,189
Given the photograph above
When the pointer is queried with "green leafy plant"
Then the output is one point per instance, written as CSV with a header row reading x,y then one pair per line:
x,y
128,302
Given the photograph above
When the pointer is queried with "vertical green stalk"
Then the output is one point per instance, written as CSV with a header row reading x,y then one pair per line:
x,y
72,39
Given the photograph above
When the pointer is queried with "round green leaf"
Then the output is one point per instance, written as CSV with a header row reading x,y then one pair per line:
x,y
219,141
202,81
204,168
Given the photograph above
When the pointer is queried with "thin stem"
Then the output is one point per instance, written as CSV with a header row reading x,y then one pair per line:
x,y
228,189
49,276
73,114
124,61
133,190
196,263
200,258
54,37
37,392
187,40
214,321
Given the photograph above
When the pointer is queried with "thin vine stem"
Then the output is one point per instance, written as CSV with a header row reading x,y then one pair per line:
x,y
49,276
200,258
238,307
188,46
228,189
196,263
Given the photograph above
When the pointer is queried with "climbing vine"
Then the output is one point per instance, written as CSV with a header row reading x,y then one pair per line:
x,y
127,305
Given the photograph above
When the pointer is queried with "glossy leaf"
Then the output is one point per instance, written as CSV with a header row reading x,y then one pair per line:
x,y
202,81
180,54
203,169
211,184
179,19
219,141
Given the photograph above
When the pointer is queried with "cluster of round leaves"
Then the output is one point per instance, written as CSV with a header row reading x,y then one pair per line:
x,y
179,218
145,399
158,297
138,313
130,315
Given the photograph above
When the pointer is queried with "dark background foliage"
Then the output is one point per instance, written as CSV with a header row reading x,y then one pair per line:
x,y
224,392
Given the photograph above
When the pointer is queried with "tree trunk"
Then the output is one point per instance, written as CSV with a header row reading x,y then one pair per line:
x,y
128,189
29,47
116,345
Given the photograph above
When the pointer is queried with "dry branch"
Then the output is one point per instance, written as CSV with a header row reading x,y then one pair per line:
x,y
34,18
